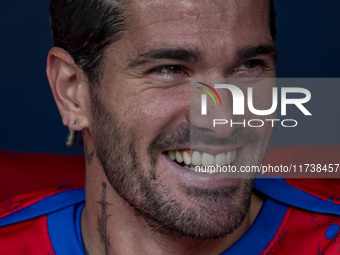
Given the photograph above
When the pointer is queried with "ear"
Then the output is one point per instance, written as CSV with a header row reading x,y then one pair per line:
x,y
70,88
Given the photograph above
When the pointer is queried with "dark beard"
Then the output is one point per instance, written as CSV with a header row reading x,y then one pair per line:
x,y
206,212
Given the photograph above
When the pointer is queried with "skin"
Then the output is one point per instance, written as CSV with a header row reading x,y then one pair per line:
x,y
145,99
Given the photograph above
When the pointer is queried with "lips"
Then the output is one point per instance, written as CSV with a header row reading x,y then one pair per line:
x,y
190,159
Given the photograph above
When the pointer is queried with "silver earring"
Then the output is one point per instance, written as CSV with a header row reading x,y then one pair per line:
x,y
71,138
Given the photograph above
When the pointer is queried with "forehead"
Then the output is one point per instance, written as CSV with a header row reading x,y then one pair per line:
x,y
167,20
217,29
148,11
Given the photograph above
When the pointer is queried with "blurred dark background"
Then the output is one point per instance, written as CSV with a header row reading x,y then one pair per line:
x,y
308,42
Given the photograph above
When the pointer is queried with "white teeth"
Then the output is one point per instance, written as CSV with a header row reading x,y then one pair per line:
x,y
171,155
202,159
220,159
208,159
187,158
179,157
196,158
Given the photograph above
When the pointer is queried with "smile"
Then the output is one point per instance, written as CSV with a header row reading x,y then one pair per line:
x,y
191,159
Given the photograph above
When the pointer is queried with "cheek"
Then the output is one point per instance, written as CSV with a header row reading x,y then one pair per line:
x,y
153,112
262,100
159,108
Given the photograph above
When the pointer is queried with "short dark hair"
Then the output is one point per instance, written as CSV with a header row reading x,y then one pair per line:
x,y
85,28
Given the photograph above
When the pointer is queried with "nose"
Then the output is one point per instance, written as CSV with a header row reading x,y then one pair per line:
x,y
211,107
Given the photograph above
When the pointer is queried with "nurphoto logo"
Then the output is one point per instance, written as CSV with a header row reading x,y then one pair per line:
x,y
239,99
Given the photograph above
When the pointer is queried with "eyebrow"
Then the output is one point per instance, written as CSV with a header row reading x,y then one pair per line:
x,y
193,55
253,51
187,55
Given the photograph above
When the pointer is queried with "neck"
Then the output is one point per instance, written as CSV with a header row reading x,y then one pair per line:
x,y
111,226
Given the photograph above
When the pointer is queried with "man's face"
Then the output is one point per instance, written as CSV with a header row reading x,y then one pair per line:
x,y
142,110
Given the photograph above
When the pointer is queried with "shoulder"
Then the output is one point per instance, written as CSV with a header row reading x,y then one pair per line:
x,y
312,192
35,190
316,195
310,223
28,221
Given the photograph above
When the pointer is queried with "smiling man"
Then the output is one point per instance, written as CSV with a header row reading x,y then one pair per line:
x,y
120,72
123,78
137,109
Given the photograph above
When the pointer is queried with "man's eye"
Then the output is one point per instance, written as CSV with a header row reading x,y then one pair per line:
x,y
168,72
171,69
250,64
